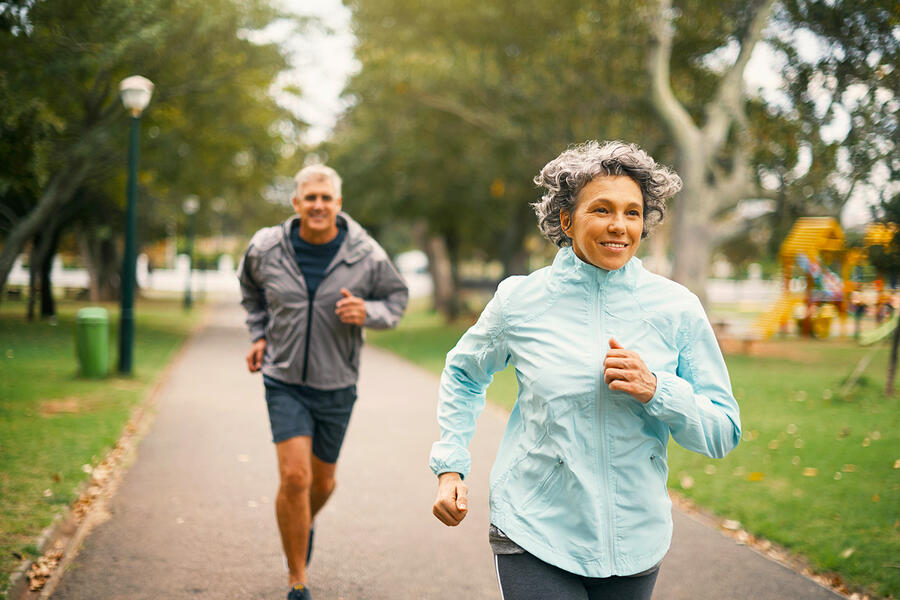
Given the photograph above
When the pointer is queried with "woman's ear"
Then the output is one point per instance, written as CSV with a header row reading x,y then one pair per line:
x,y
565,220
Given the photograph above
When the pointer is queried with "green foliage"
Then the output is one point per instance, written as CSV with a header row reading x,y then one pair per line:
x,y
793,421
211,129
453,97
52,422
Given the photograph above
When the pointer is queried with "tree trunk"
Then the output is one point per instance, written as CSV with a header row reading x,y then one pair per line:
x,y
892,363
704,191
513,253
98,251
48,304
691,236
58,191
446,296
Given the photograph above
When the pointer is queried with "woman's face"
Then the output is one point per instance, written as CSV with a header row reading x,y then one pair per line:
x,y
607,222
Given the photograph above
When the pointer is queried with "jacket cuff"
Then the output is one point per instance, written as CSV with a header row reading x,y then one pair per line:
x,y
669,388
447,457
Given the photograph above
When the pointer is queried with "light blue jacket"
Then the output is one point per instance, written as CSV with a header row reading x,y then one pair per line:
x,y
580,476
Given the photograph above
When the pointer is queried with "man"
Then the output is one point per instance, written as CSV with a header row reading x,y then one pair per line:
x,y
309,286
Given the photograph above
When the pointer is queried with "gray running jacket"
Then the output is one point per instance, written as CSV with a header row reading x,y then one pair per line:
x,y
306,343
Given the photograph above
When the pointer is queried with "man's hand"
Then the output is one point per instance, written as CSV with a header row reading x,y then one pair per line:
x,y
255,356
350,309
452,503
625,371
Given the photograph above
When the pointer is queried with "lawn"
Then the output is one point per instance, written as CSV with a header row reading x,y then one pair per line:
x,y
52,422
815,472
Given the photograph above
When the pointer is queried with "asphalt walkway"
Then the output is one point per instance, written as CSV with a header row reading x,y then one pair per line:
x,y
194,516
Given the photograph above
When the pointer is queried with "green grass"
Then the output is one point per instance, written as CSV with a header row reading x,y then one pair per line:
x,y
52,422
814,472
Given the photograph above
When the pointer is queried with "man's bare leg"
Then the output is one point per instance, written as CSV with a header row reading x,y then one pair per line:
x,y
323,484
292,505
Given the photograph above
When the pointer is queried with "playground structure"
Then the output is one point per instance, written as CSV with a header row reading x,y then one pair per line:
x,y
811,249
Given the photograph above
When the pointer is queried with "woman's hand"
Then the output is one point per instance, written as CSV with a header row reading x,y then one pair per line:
x,y
451,504
625,371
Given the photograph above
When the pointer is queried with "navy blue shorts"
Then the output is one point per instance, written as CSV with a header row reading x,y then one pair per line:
x,y
297,410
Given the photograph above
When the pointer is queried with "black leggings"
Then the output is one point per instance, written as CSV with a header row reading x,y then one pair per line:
x,y
526,577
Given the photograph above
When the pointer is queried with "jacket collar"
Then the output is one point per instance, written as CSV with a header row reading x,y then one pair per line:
x,y
567,267
355,245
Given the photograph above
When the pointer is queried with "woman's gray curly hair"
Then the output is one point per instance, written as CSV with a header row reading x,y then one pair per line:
x,y
565,176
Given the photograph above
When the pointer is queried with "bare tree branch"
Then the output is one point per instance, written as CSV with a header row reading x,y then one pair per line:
x,y
683,128
727,105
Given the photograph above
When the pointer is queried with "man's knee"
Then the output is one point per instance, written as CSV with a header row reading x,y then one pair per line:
x,y
323,486
296,481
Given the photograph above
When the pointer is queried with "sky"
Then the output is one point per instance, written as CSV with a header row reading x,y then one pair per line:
x,y
323,60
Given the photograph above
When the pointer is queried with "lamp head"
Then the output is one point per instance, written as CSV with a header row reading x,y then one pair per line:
x,y
136,92
191,204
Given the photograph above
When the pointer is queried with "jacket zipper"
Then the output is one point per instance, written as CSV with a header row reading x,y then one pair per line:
x,y
309,312
604,447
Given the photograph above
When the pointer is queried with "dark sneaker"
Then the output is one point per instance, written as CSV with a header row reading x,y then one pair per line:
x,y
312,530
299,592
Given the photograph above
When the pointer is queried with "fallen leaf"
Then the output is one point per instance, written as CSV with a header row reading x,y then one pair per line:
x,y
875,435
731,525
798,443
773,445
710,469
848,468
866,443
686,481
876,498
48,492
810,472
795,461
791,429
846,553
897,464
837,475
756,476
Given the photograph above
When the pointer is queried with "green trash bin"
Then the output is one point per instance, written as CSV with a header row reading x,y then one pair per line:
x,y
92,341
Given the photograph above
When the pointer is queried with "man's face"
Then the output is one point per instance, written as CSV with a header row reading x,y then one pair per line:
x,y
318,207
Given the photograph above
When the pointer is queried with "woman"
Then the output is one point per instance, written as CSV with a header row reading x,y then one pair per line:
x,y
610,360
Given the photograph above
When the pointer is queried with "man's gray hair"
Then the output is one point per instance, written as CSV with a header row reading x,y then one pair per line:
x,y
567,174
317,171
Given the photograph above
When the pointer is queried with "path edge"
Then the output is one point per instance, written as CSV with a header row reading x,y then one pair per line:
x,y
69,529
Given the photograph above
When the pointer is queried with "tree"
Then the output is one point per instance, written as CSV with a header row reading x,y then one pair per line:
x,y
887,260
212,127
458,104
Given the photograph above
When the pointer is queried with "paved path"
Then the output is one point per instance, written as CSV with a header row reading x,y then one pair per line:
x,y
194,516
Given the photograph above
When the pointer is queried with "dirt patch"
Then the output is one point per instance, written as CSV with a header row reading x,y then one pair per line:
x,y
69,405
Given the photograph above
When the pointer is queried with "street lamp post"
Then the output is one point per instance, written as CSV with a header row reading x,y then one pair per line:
x,y
191,206
135,92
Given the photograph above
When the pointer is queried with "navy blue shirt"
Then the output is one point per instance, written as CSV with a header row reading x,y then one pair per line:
x,y
313,259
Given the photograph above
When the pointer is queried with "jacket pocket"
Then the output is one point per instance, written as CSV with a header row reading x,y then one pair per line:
x,y
661,468
552,473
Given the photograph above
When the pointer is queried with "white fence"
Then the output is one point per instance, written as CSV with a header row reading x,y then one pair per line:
x,y
221,281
